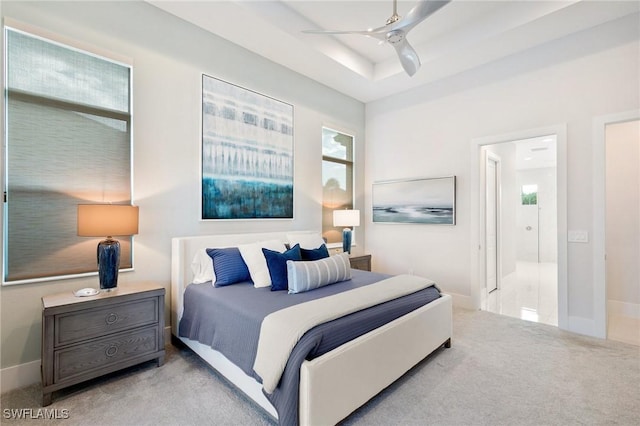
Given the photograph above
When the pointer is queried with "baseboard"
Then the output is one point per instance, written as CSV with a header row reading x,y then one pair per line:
x,y
460,301
19,376
584,326
27,374
623,309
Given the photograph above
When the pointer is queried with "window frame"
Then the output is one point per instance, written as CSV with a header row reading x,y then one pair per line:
x,y
351,177
60,104
529,198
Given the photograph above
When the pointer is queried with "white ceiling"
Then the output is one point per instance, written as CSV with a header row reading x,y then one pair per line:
x,y
462,35
536,153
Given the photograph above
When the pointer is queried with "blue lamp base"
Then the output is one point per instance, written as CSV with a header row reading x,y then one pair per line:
x,y
108,263
346,240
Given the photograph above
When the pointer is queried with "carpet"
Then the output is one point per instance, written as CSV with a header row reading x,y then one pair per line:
x,y
499,371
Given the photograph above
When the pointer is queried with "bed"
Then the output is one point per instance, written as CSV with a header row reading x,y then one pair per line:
x,y
332,385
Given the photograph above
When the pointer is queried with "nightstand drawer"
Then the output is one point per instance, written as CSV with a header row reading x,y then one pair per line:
x,y
76,326
362,262
100,353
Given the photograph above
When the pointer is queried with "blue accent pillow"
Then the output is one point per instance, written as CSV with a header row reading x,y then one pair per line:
x,y
277,264
229,266
315,254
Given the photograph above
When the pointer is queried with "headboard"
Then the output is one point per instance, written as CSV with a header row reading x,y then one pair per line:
x,y
183,250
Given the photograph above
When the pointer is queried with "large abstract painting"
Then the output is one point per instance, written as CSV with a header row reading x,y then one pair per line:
x,y
429,201
247,153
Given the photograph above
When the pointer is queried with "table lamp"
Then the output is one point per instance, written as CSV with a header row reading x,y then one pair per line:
x,y
106,220
346,218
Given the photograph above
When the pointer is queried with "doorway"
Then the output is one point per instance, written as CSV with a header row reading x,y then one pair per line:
x,y
601,304
520,229
530,231
622,230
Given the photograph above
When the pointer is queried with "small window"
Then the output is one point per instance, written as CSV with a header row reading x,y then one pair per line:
x,y
337,179
529,195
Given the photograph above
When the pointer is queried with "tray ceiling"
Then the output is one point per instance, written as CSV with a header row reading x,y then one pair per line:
x,y
459,37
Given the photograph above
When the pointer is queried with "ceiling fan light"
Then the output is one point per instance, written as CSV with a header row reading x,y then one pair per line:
x,y
396,36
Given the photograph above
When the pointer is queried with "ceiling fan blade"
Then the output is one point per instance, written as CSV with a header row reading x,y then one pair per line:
x,y
408,56
375,33
418,13
332,32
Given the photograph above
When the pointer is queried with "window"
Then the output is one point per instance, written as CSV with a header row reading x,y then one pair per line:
x,y
337,179
67,142
529,195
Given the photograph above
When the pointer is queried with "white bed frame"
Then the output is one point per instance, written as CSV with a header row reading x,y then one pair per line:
x,y
337,383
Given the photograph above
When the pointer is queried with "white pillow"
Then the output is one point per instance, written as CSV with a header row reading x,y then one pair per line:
x,y
307,240
256,262
305,276
202,268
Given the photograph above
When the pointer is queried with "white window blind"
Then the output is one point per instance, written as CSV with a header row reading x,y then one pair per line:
x,y
68,142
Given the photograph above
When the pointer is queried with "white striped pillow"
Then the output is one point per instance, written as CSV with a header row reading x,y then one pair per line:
x,y
305,276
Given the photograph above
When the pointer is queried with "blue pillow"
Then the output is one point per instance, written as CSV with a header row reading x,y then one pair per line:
x,y
305,276
315,254
228,266
277,264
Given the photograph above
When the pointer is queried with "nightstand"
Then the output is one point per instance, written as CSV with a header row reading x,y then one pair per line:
x,y
87,337
362,262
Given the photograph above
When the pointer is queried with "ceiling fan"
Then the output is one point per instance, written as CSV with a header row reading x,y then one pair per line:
x,y
396,29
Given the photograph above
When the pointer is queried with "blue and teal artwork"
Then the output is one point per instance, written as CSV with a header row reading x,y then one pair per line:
x,y
247,153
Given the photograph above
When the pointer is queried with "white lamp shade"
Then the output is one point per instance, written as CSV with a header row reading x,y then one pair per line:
x,y
106,220
346,218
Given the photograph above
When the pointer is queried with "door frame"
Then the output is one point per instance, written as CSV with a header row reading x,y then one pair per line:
x,y
490,156
599,216
478,268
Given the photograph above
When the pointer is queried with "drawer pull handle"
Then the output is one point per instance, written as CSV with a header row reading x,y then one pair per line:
x,y
111,318
111,351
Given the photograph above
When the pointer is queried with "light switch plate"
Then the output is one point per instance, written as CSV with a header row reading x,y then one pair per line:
x,y
578,236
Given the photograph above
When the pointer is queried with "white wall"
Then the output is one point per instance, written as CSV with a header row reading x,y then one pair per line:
x,y
168,57
623,215
428,131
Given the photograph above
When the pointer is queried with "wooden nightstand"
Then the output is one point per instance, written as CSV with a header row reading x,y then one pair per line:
x,y
362,262
87,337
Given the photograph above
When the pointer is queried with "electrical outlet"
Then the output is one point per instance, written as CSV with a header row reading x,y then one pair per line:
x,y
578,236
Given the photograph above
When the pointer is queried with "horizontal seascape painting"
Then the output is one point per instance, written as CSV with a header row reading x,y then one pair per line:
x,y
247,153
428,200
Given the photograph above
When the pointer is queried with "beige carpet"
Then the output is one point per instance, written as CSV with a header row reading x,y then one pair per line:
x,y
499,371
